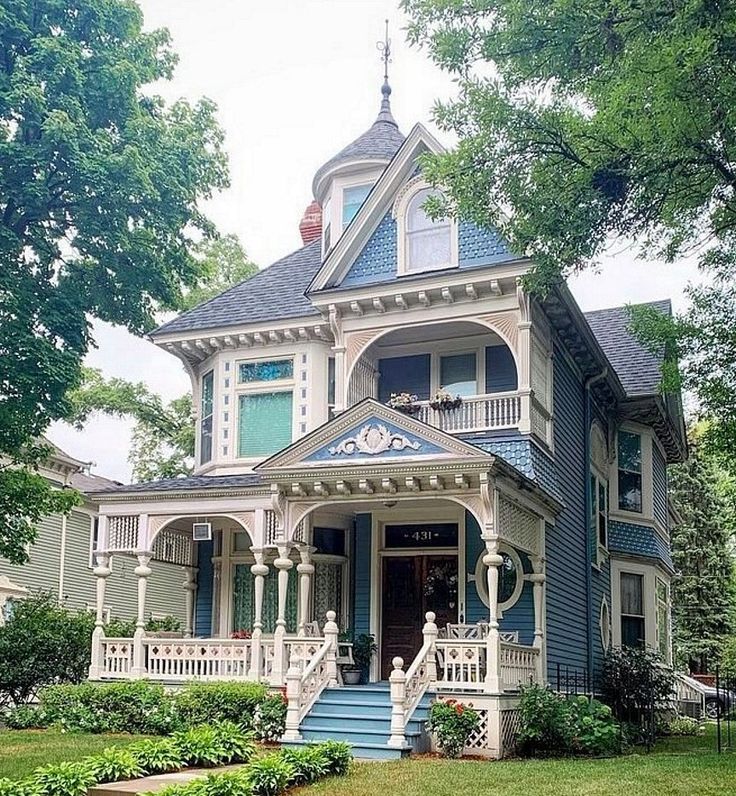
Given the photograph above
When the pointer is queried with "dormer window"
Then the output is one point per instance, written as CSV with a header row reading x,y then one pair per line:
x,y
424,244
352,198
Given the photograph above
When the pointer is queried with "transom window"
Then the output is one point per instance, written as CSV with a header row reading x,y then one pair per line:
x,y
352,198
629,471
270,370
427,240
458,374
632,610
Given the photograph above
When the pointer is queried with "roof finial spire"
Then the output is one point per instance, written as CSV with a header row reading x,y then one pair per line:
x,y
384,47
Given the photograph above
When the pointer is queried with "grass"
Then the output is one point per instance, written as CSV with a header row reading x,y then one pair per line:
x,y
676,767
22,751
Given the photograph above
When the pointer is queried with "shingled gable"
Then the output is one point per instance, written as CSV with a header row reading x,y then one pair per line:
x,y
275,293
351,242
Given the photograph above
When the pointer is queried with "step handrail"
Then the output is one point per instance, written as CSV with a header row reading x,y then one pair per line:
x,y
303,687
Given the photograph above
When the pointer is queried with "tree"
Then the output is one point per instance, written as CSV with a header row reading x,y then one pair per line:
x,y
580,122
163,436
704,600
223,263
100,183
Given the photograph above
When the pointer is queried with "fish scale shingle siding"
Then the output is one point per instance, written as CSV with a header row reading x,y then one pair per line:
x,y
567,539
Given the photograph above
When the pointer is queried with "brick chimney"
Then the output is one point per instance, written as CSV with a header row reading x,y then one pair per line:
x,y
310,226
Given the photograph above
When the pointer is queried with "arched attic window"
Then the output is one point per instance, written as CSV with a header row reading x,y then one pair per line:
x,y
424,244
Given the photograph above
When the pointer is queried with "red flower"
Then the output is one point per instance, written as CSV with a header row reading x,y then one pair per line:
x,y
459,710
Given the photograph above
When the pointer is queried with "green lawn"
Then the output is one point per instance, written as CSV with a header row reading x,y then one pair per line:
x,y
677,767
23,751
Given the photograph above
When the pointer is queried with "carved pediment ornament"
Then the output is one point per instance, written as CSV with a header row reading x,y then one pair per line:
x,y
374,439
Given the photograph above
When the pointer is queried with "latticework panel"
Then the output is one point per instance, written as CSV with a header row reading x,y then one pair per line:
x,y
299,532
510,725
272,528
122,533
479,737
518,526
175,547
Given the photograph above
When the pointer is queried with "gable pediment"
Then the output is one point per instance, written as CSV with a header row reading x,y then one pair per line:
x,y
370,433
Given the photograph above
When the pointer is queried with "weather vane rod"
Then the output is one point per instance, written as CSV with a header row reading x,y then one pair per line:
x,y
384,47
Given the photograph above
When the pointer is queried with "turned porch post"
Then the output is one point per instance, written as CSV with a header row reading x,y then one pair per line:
x,y
493,561
142,572
305,569
101,573
259,571
190,586
538,578
283,564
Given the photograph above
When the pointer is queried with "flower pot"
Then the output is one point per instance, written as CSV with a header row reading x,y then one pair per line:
x,y
351,676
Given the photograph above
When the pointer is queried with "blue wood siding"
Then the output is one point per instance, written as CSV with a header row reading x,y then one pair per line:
x,y
404,374
500,369
362,579
659,485
203,603
520,616
567,546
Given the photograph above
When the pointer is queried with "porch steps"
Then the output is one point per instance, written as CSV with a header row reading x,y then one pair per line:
x,y
361,716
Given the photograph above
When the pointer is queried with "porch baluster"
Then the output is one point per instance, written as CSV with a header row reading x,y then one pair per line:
x,y
305,569
331,631
259,571
142,572
101,572
283,564
493,643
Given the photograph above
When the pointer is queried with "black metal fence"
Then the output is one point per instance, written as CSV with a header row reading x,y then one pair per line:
x,y
720,706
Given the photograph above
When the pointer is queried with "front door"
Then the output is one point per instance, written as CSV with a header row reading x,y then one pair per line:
x,y
413,585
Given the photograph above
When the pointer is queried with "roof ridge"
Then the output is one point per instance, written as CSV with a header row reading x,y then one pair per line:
x,y
624,306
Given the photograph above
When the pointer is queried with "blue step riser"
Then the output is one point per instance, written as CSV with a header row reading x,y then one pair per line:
x,y
364,753
414,743
349,710
381,724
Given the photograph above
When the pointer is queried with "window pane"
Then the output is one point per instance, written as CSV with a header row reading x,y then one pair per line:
x,y
457,374
352,199
507,576
205,428
632,631
331,381
265,371
416,218
329,540
264,424
428,248
327,590
629,491
629,452
632,601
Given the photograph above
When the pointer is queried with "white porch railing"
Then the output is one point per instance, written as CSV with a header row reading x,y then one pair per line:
x,y
117,657
197,659
476,413
518,665
307,677
461,664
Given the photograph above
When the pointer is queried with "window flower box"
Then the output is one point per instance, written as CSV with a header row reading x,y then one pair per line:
x,y
443,401
405,402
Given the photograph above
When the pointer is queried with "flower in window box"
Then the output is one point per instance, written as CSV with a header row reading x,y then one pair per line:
x,y
443,401
405,402
241,634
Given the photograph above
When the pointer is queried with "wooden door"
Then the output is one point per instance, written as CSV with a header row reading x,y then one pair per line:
x,y
413,585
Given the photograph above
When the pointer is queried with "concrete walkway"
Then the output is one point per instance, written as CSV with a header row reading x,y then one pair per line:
x,y
157,782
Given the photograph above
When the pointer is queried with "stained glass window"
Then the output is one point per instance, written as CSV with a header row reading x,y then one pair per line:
x,y
243,600
327,589
271,370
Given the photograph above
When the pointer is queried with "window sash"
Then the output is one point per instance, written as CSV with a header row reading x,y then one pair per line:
x,y
264,422
205,426
458,374
632,594
428,248
352,198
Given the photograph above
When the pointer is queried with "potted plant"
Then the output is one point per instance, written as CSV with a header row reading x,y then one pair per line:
x,y
164,627
364,648
443,401
405,402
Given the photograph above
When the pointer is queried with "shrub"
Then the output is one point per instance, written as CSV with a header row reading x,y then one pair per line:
x,y
270,717
235,743
269,776
452,724
157,755
683,725
199,703
308,764
338,757
25,717
553,724
64,779
42,643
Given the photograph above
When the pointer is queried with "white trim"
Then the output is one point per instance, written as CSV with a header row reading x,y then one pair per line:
x,y
647,487
604,625
481,581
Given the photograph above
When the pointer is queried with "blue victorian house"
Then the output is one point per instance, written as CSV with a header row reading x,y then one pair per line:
x,y
395,439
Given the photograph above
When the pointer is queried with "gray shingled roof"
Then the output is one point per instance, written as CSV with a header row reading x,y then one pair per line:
x,y
638,369
192,482
380,142
86,483
275,293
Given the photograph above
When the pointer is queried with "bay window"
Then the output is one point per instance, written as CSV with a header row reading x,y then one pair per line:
x,y
663,640
206,412
633,631
629,471
265,406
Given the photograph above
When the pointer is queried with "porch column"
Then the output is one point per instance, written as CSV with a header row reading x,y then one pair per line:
x,y
305,568
259,571
493,643
283,564
190,586
142,572
101,573
538,578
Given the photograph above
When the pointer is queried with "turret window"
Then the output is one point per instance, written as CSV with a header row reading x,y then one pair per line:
x,y
352,198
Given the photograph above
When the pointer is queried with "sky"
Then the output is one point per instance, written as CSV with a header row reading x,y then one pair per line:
x,y
294,82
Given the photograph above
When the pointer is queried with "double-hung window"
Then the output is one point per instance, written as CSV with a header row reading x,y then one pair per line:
x,y
352,198
633,631
629,471
265,406
599,509
427,241
205,426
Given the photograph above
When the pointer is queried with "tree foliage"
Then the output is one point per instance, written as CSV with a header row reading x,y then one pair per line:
x,y
582,122
99,189
163,435
704,600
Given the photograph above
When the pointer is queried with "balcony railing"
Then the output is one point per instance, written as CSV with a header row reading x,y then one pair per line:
x,y
476,413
